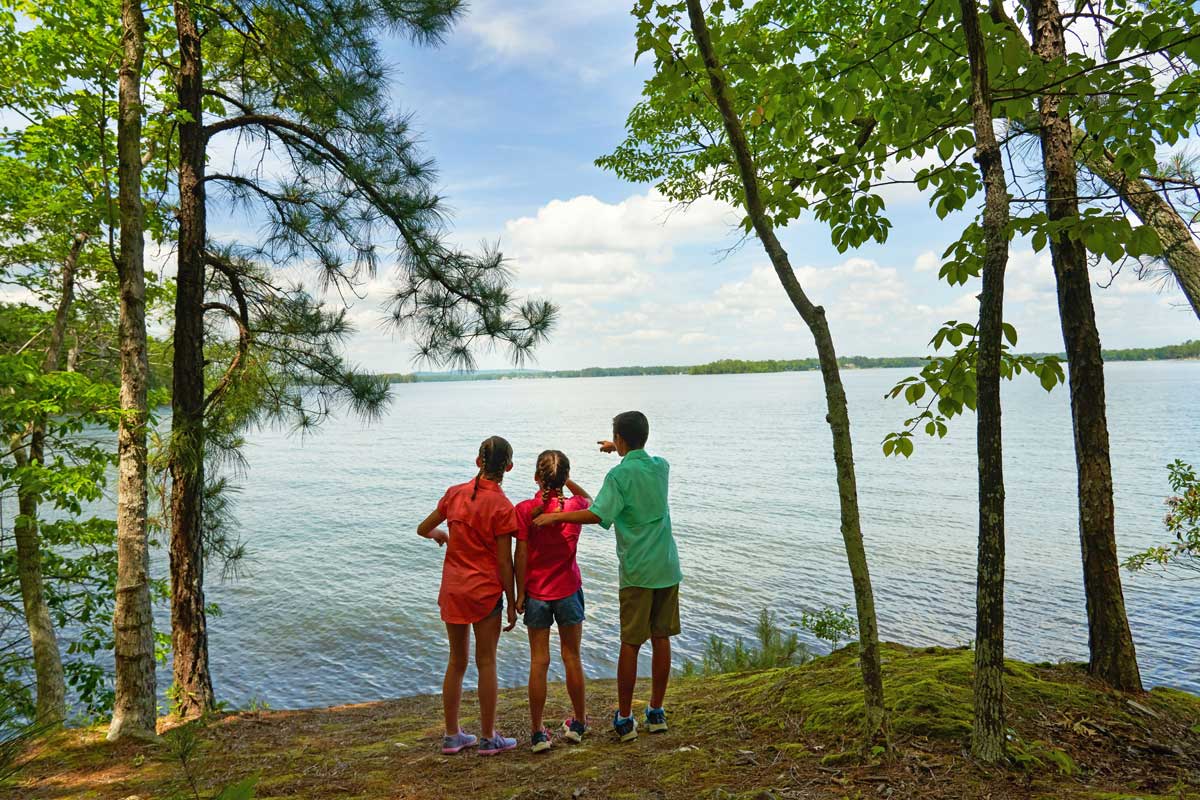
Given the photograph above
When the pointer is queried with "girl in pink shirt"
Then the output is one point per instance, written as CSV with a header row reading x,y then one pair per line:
x,y
550,591
476,575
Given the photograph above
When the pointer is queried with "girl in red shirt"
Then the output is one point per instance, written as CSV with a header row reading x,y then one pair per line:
x,y
476,575
550,591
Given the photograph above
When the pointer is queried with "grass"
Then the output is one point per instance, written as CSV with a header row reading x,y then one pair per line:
x,y
788,732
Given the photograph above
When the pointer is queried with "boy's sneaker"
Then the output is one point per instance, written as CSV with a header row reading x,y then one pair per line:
x,y
626,728
496,744
457,743
656,720
573,730
540,740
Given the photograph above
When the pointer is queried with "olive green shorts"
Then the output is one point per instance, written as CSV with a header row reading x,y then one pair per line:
x,y
648,613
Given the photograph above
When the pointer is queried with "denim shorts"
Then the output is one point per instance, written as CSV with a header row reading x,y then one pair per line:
x,y
544,613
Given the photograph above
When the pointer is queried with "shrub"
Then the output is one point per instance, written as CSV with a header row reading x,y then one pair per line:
x,y
831,625
775,648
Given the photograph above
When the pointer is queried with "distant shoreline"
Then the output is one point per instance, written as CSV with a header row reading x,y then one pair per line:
x,y
1188,351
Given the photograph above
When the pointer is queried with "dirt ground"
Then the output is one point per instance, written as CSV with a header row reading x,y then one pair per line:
x,y
786,733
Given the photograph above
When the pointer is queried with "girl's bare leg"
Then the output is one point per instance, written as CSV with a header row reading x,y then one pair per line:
x,y
570,637
459,637
487,637
539,664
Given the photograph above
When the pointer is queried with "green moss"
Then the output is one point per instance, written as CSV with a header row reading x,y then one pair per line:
x,y
840,759
679,766
792,750
1176,702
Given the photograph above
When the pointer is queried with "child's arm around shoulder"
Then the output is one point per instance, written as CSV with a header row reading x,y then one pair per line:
x,y
584,517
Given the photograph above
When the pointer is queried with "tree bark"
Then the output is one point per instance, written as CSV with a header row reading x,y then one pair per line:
x,y
51,699
988,729
835,396
1113,658
193,692
1180,252
134,708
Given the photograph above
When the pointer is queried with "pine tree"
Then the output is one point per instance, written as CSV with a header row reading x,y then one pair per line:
x,y
305,79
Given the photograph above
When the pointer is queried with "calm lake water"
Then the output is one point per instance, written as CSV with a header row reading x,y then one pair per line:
x,y
341,602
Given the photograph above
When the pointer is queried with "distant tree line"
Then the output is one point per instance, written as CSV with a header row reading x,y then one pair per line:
x,y
741,366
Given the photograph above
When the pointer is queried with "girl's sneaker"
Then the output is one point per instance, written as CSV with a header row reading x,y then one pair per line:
x,y
540,740
656,720
496,744
457,743
626,728
573,730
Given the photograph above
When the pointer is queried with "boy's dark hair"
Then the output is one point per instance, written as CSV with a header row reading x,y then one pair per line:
x,y
633,427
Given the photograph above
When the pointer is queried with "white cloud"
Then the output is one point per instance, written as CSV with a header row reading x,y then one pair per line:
x,y
507,33
558,32
927,262
584,248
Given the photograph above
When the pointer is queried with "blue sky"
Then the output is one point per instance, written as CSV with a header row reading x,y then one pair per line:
x,y
521,99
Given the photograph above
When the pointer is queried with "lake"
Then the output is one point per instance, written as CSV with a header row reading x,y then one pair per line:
x,y
340,605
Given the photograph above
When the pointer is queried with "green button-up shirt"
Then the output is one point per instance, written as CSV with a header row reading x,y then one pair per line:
x,y
634,498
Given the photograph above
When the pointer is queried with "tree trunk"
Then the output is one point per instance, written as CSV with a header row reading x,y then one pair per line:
x,y
1180,252
1113,658
988,730
134,708
189,630
51,701
51,707
835,396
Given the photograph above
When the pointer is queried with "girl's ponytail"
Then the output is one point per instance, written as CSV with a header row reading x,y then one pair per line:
x,y
553,469
495,456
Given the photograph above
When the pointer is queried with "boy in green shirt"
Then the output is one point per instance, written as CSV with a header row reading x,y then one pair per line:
x,y
634,498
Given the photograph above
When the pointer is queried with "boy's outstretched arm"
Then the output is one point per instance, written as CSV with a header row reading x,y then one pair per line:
x,y
584,517
577,490
429,528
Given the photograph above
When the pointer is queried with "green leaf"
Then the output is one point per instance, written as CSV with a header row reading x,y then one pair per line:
x,y
1010,333
242,790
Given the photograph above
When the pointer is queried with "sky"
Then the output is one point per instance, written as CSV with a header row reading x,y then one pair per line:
x,y
515,107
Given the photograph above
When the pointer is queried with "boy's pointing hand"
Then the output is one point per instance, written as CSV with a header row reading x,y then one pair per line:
x,y
607,446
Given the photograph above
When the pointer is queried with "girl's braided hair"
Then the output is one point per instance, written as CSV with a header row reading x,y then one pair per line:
x,y
553,469
495,456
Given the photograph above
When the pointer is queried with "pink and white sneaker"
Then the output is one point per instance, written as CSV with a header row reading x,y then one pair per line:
x,y
458,742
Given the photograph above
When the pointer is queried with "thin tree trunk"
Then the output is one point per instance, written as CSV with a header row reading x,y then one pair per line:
x,y
835,396
134,708
1113,658
51,700
189,630
1180,252
987,738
